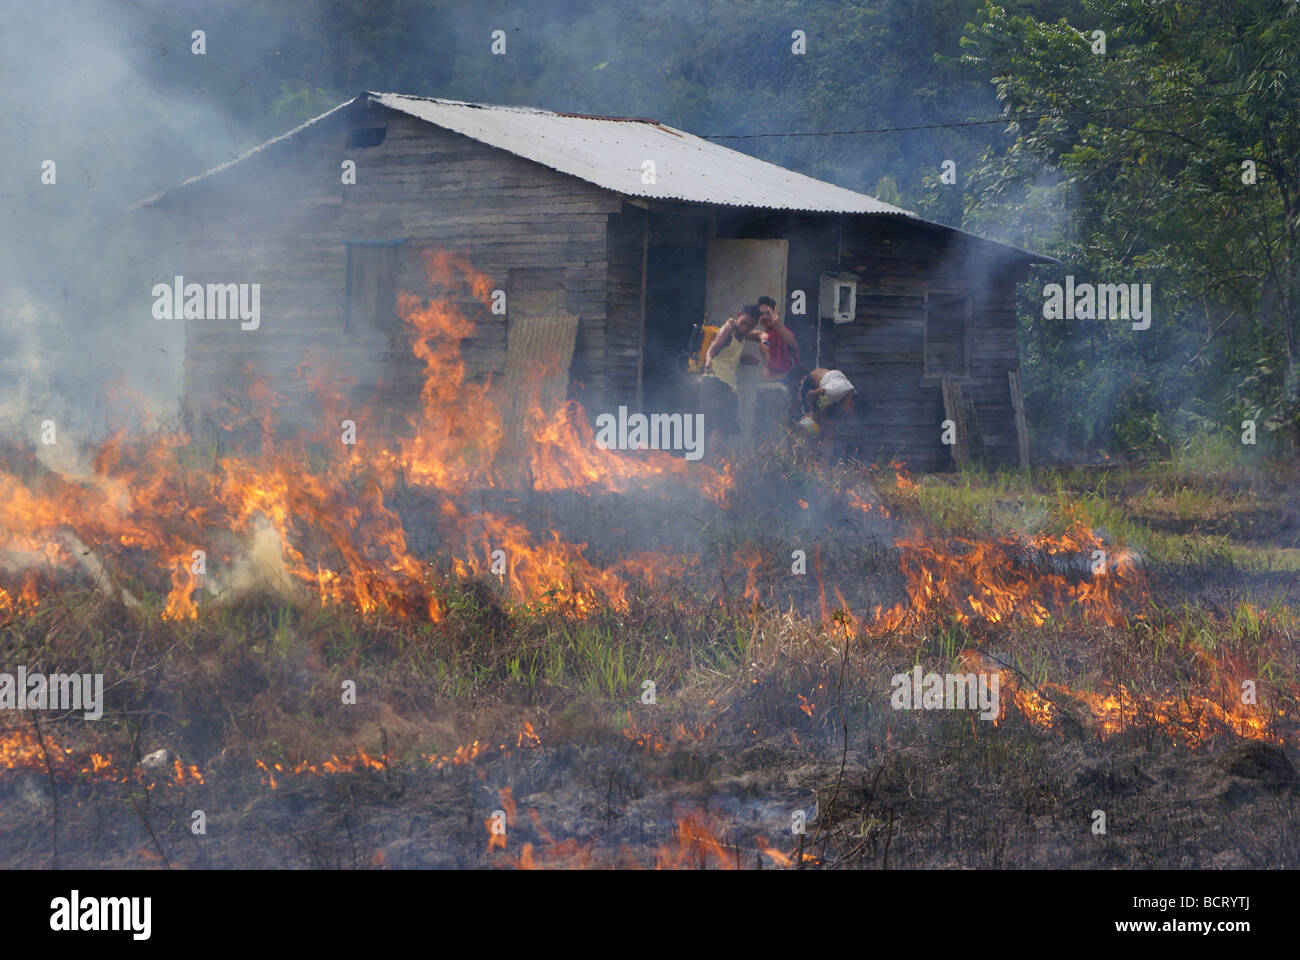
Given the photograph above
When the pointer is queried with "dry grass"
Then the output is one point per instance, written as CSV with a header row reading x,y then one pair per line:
x,y
743,689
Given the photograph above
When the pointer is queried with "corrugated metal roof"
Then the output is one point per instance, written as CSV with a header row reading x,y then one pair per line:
x,y
610,151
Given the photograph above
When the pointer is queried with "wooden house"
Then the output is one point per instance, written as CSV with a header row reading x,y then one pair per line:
x,y
639,230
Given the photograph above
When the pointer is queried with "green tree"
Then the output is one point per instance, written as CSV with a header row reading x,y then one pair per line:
x,y
1130,164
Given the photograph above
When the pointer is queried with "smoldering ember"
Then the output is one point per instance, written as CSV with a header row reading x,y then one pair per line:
x,y
538,453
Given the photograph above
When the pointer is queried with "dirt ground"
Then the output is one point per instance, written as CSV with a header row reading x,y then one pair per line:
x,y
1017,798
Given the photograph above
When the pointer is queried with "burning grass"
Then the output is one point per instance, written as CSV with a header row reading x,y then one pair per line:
x,y
495,604
250,695
315,517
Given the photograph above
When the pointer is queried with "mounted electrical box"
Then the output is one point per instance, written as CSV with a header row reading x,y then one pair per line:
x,y
839,297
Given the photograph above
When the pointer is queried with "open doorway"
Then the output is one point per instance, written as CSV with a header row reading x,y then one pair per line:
x,y
674,303
741,271
694,283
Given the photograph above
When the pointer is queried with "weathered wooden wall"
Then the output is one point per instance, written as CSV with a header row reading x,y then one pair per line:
x,y
882,350
282,217
623,305
896,262
271,220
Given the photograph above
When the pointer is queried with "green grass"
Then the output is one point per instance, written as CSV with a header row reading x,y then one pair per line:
x,y
1194,509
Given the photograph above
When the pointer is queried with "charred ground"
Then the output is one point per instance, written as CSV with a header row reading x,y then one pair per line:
x,y
772,696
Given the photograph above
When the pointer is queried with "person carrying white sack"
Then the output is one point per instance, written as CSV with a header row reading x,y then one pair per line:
x,y
825,396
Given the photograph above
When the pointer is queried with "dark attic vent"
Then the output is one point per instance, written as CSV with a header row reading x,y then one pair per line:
x,y
366,137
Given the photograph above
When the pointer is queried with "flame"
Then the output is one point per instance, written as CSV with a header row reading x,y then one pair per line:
x,y
308,515
751,559
464,755
654,568
528,735
906,485
567,854
21,750
27,600
1193,718
508,804
855,500
553,570
995,581
356,763
180,602
695,845
777,857
496,840
656,741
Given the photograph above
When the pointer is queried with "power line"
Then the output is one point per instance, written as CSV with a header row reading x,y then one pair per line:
x,y
986,122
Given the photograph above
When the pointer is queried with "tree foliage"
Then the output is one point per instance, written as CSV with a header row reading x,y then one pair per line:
x,y
1134,164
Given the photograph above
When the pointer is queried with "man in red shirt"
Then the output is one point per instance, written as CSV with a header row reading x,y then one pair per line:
x,y
782,349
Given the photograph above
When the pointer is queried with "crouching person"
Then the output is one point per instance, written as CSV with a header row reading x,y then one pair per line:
x,y
825,397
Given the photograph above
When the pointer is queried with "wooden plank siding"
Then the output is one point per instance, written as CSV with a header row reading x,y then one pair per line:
x,y
281,218
882,350
896,261
623,300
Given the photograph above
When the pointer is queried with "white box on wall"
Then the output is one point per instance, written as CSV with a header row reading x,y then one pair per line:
x,y
838,300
